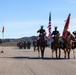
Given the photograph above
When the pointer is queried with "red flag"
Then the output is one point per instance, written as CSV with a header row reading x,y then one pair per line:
x,y
66,27
49,27
67,22
3,29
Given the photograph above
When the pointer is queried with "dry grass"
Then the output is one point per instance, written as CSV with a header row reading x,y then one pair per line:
x,y
9,44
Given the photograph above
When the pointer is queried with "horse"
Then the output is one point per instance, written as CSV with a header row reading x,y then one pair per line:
x,y
55,45
68,44
41,45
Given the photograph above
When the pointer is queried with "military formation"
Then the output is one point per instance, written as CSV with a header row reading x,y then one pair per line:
x,y
24,44
66,43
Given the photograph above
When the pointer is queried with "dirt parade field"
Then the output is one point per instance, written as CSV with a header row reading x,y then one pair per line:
x,y
16,61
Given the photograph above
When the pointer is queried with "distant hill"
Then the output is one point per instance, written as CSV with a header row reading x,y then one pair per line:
x,y
31,39
15,41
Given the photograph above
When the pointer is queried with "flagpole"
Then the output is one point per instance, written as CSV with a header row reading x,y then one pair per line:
x,y
2,40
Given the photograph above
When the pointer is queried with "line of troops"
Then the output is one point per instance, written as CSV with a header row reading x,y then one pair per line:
x,y
24,44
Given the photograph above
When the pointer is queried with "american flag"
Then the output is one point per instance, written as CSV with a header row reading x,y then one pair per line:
x,y
49,27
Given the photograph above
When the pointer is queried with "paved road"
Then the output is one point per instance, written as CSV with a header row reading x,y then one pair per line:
x,y
16,61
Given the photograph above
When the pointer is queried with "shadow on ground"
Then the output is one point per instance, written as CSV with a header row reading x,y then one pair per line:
x,y
33,58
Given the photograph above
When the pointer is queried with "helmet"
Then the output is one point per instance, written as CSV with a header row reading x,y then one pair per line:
x,y
55,27
42,26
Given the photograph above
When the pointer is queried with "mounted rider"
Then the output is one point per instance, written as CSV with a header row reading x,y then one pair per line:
x,y
65,35
55,33
41,31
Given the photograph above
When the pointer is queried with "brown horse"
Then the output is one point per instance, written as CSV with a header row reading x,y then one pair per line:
x,y
41,45
56,45
68,45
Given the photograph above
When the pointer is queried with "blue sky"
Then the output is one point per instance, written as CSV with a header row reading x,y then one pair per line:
x,y
22,18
